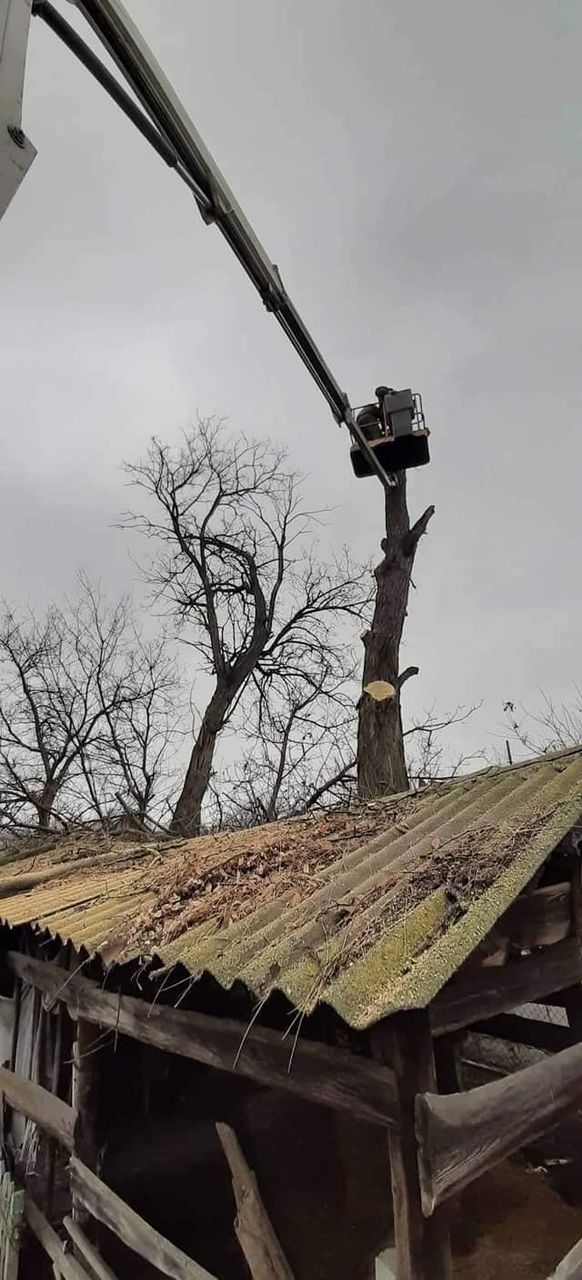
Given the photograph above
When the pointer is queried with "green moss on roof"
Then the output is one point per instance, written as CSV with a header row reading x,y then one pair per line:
x,y
368,911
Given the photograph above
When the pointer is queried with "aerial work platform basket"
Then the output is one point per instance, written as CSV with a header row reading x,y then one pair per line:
x,y
395,430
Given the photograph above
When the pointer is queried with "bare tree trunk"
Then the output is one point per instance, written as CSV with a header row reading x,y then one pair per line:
x,y
381,760
45,805
187,814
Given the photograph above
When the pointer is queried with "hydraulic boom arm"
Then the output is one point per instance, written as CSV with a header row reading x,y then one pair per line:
x,y
167,126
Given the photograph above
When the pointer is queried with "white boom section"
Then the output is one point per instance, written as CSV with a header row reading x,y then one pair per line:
x,y
178,141
120,36
16,152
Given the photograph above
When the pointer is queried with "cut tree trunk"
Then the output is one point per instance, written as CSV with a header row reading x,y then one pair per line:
x,y
381,760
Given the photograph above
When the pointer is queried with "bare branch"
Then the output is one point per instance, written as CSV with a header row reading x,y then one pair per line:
x,y
234,565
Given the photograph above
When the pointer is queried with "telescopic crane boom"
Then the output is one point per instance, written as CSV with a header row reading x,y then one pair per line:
x,y
389,434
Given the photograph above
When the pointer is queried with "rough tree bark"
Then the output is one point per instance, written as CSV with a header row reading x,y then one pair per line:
x,y
236,562
381,759
187,814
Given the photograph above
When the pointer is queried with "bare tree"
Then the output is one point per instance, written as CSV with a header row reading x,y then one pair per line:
x,y
130,761
234,563
81,712
295,730
381,753
305,756
428,753
551,726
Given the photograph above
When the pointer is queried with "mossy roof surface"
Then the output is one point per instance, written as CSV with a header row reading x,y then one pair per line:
x,y
368,910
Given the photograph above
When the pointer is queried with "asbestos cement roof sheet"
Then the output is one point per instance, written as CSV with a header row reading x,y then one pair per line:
x,y
369,910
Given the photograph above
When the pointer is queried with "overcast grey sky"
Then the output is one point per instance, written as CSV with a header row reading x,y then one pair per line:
x,y
415,170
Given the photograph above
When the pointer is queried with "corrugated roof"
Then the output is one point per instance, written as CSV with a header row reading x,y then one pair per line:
x,y
369,911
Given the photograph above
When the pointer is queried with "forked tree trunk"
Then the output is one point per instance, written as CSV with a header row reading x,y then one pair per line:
x,y
381,760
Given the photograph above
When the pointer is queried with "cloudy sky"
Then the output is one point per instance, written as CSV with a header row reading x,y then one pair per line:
x,y
415,170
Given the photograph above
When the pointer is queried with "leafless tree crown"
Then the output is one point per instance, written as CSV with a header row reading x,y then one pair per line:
x,y
234,561
84,714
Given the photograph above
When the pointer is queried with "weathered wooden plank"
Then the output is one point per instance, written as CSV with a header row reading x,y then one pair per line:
x,y
54,1117
88,1252
422,1246
464,1134
64,1264
570,1268
137,1234
85,1092
485,992
550,1036
539,918
318,1073
255,1233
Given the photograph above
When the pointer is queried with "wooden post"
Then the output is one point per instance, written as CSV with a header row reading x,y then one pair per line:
x,y
85,1092
447,1071
85,1101
573,995
56,1042
422,1244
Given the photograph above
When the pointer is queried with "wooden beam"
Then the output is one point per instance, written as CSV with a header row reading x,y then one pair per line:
x,y
570,1268
318,1073
125,1223
256,1236
65,1265
464,1134
85,1100
552,1037
54,1117
85,1092
483,993
87,1251
422,1245
539,918
445,1051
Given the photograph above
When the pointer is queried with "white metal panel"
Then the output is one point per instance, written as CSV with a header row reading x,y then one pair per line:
x,y
16,151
